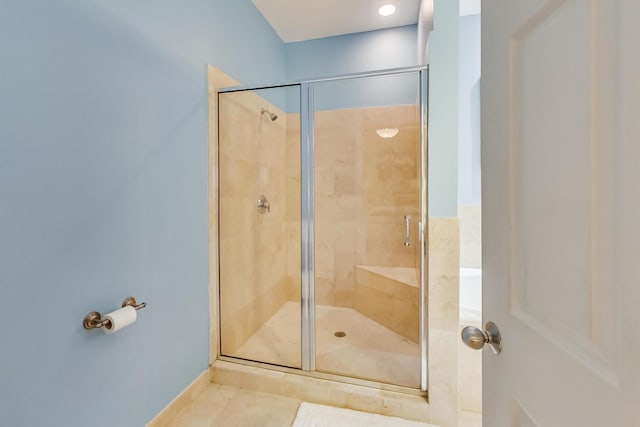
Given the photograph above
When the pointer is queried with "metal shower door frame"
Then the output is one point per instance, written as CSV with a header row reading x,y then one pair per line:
x,y
308,343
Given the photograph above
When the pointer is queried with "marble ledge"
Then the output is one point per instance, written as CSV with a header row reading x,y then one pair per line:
x,y
321,391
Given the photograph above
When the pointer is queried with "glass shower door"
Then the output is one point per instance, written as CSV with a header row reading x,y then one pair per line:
x,y
368,204
259,225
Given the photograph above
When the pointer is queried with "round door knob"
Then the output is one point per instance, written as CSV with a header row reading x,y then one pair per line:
x,y
476,338
473,337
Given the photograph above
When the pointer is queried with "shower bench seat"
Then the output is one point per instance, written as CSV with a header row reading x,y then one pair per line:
x,y
389,296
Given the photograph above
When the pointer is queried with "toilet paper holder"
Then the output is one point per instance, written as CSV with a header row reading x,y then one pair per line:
x,y
94,319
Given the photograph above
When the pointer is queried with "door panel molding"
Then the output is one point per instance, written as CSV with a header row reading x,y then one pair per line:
x,y
573,134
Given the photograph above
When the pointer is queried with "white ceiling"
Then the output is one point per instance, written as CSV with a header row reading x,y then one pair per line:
x,y
297,20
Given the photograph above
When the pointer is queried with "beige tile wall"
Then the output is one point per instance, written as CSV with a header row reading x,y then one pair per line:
x,y
253,246
392,185
470,361
364,185
444,308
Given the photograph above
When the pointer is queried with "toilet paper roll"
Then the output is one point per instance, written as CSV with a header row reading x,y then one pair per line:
x,y
120,319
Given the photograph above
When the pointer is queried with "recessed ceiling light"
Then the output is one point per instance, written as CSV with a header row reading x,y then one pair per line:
x,y
387,9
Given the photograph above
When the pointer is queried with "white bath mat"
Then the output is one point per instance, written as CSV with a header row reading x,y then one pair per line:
x,y
312,415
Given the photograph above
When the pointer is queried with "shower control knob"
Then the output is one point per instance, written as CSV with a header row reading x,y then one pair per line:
x,y
476,338
263,205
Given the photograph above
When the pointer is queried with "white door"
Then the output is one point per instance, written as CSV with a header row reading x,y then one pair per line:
x,y
561,211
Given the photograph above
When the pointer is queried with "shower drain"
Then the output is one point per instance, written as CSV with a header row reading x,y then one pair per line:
x,y
340,334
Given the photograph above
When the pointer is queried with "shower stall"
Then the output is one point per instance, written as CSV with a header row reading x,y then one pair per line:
x,y
322,206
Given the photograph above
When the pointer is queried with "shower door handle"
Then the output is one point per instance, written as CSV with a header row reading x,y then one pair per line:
x,y
407,230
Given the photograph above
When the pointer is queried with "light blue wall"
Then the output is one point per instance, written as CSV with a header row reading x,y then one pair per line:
x,y
103,170
443,110
367,92
103,167
469,107
354,53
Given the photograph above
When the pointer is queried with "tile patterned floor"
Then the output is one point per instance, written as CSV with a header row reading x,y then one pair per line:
x,y
226,406
369,350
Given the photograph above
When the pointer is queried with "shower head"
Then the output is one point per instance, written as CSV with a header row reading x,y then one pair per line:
x,y
272,116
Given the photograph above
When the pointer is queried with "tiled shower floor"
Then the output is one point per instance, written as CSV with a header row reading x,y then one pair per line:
x,y
369,350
